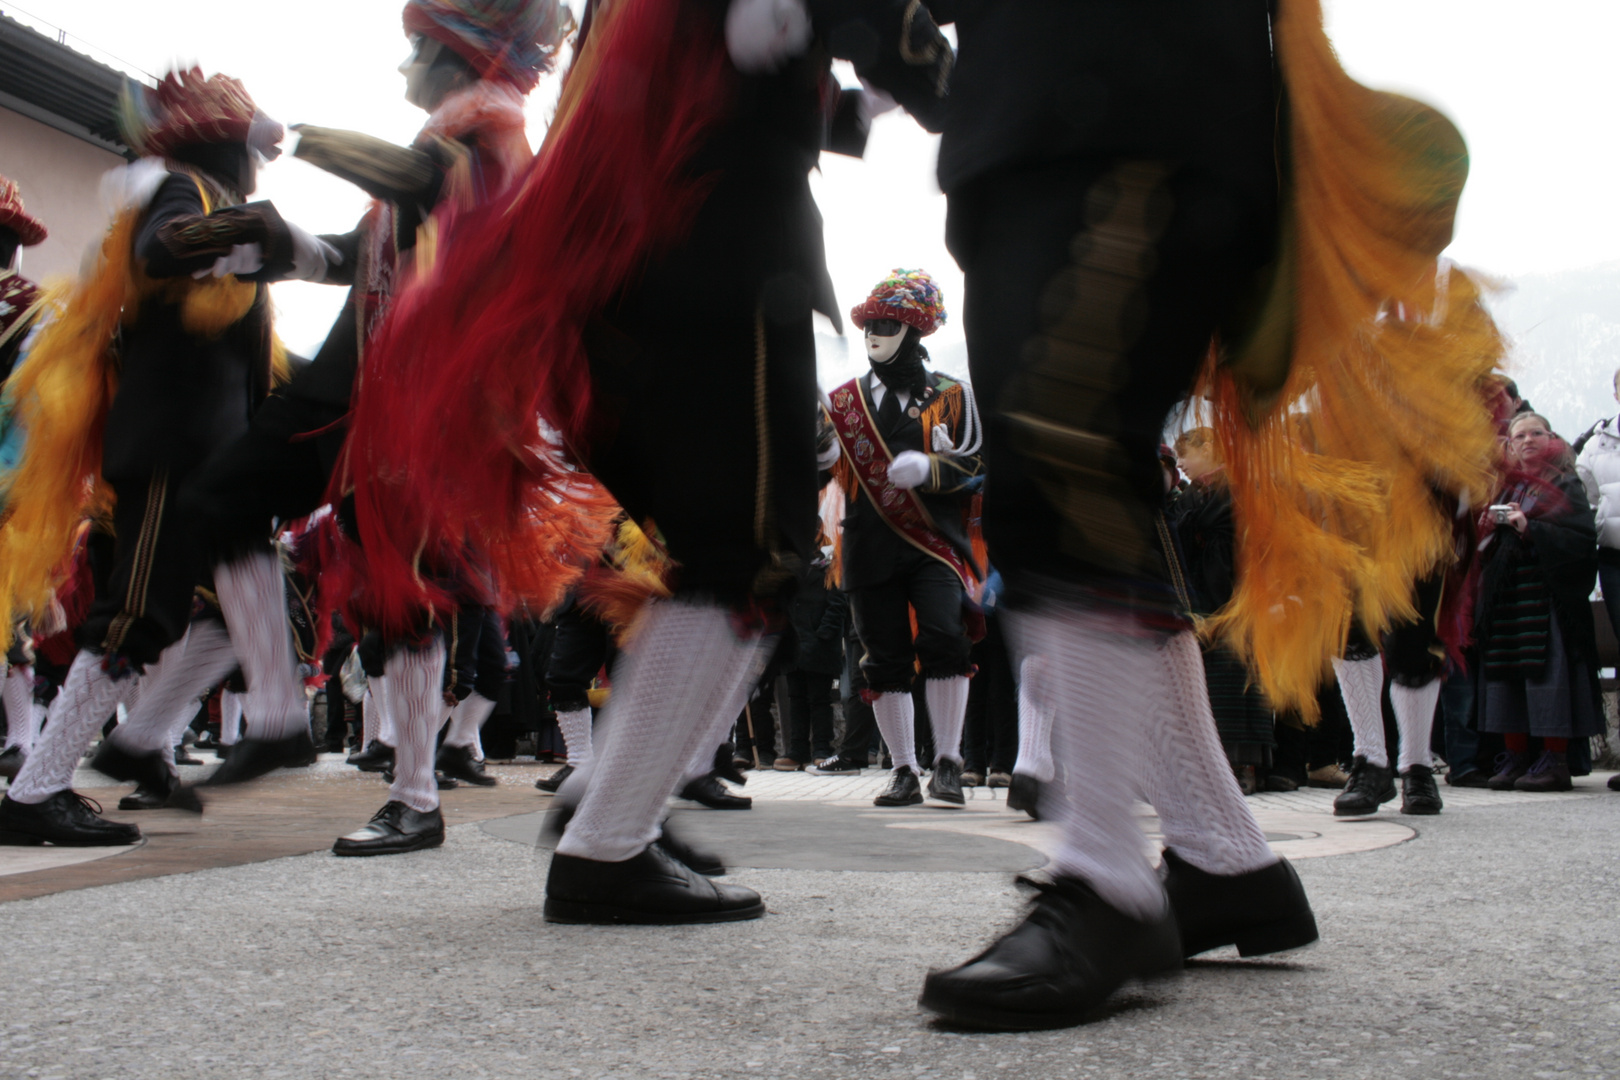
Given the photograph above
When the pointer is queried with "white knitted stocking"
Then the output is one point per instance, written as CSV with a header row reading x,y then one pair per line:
x,y
1362,684
1103,671
171,685
22,719
896,721
466,719
947,712
253,597
1414,717
230,717
416,699
1034,720
87,698
575,725
686,666
1202,812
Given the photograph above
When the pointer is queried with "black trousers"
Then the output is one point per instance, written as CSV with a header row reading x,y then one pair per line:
x,y
578,651
143,595
1093,288
882,614
809,715
476,644
990,730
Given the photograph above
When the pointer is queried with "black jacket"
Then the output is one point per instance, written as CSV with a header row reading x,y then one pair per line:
x,y
818,615
181,395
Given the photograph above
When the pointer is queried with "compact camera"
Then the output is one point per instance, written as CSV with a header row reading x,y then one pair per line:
x,y
1500,512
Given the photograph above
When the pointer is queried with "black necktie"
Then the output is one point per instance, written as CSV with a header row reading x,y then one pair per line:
x,y
888,416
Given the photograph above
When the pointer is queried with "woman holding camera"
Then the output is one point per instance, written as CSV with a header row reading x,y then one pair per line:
x,y
1533,624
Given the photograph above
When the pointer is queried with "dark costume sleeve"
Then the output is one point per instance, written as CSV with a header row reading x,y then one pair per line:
x,y
177,238
396,174
894,45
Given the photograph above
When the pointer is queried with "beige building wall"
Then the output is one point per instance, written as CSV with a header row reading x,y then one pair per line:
x,y
60,177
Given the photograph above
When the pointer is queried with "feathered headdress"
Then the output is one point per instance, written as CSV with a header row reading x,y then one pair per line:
x,y
28,228
514,40
908,295
186,109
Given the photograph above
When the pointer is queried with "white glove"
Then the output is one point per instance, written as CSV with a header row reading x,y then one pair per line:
x,y
311,255
942,440
762,34
909,468
827,457
243,259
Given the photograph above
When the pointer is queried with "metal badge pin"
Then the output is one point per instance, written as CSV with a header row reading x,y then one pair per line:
x,y
914,412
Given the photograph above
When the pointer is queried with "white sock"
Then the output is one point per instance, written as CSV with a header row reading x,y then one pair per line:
x,y
1362,684
230,717
465,720
87,698
687,666
1202,812
416,699
254,599
1414,717
1103,670
947,712
385,711
1034,720
575,725
370,719
22,725
896,721
171,685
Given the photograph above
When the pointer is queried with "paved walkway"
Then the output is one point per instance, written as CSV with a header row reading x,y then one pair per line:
x,y
1483,942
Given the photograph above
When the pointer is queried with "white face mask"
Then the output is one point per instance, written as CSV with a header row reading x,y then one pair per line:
x,y
880,350
424,50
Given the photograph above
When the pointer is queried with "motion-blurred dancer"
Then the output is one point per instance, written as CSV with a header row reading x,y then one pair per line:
x,y
1113,224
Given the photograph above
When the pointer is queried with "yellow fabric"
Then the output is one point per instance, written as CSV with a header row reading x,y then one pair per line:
x,y
61,396
1362,388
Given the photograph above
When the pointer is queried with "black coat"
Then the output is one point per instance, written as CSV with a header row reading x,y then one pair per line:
x,y
1203,524
818,614
181,395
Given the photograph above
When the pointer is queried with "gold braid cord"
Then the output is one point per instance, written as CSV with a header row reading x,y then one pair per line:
x,y
1361,388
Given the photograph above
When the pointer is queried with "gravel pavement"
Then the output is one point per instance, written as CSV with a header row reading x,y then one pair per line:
x,y
1487,946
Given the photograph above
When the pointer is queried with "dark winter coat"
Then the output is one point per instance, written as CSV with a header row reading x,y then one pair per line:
x,y
819,613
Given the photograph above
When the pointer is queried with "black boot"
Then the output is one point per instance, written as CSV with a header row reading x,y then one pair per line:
x,y
376,757
66,819
458,761
725,764
395,829
708,790
903,790
1262,911
1024,793
652,888
550,784
1072,951
1419,793
157,785
946,783
250,759
1369,787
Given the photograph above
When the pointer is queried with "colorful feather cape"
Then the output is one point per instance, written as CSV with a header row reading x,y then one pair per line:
x,y
449,450
1363,388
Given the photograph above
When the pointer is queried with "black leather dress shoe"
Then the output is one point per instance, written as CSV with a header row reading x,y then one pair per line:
x,y
395,829
182,756
157,785
704,862
946,783
550,784
903,790
708,790
11,762
458,761
652,888
375,757
1369,787
66,819
1262,911
1419,793
837,765
1071,952
250,759
1024,793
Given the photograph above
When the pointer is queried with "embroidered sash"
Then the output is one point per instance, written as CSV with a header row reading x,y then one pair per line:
x,y
901,509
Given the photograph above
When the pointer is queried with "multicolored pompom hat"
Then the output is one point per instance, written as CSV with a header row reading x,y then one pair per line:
x,y
911,296
513,40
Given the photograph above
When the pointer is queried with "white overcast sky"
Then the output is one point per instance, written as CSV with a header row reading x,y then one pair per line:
x,y
1533,87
